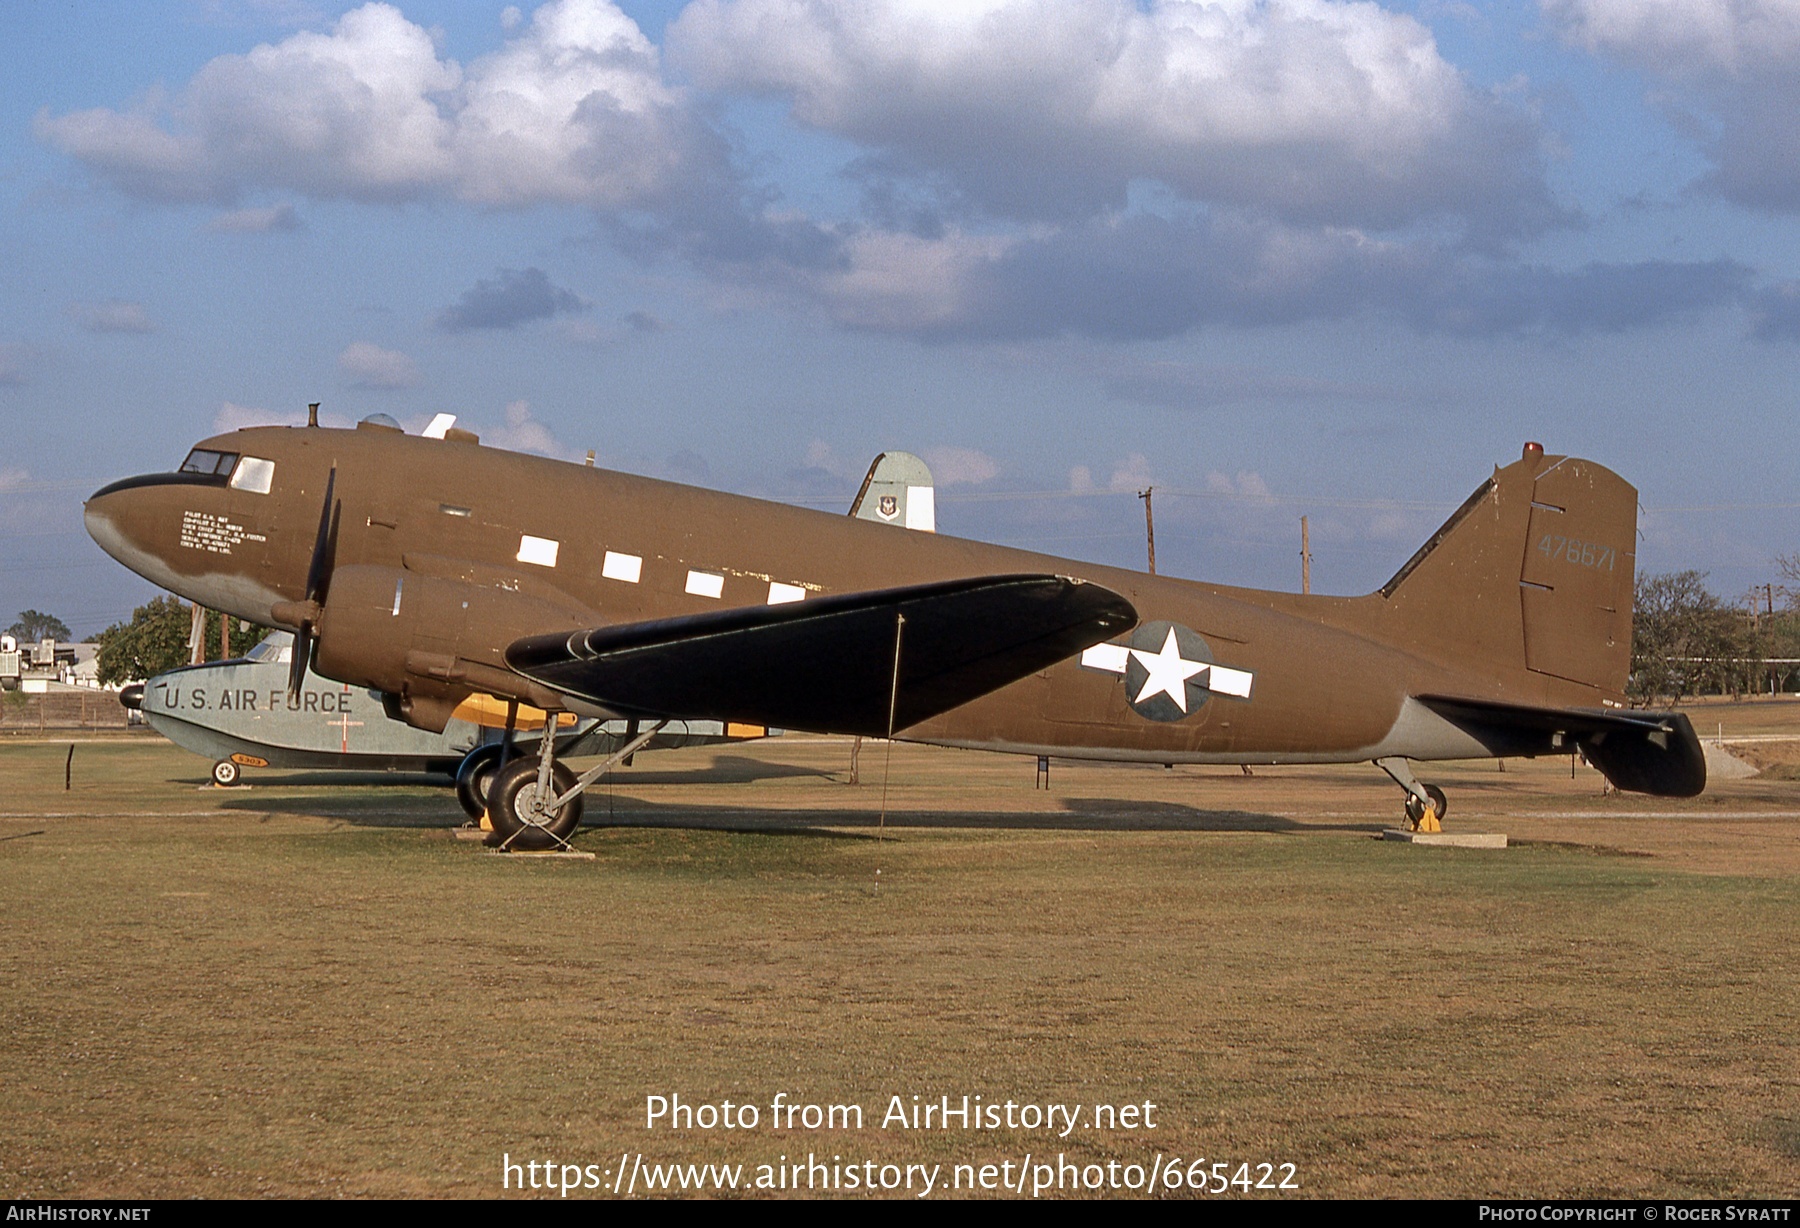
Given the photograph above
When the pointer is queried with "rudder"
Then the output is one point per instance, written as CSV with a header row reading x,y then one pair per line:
x,y
1535,570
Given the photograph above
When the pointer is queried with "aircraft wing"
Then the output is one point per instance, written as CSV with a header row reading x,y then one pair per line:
x,y
1643,752
828,663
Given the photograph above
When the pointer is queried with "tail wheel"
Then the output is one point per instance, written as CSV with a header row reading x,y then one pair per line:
x,y
475,779
519,814
1421,817
225,773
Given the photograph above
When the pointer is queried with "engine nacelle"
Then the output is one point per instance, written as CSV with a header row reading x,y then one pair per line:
x,y
431,642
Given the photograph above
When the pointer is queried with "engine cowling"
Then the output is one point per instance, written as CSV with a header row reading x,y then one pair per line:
x,y
431,642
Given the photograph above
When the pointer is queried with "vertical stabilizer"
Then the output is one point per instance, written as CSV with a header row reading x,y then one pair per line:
x,y
898,490
1534,570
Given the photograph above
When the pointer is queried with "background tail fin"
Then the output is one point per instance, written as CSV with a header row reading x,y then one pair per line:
x,y
898,490
1535,569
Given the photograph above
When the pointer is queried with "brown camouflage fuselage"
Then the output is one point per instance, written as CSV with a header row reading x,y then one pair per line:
x,y
1493,610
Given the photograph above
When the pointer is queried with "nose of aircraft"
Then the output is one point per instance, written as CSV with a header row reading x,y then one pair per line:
x,y
137,521
108,515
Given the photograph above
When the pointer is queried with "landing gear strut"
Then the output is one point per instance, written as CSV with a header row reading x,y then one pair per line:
x,y
535,803
1426,805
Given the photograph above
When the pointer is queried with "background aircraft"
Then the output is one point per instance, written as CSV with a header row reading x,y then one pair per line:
x,y
433,569
240,714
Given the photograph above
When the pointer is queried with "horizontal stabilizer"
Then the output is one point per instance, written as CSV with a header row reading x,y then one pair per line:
x,y
827,664
1640,752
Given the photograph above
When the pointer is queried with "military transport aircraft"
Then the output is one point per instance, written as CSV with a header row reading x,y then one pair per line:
x,y
433,569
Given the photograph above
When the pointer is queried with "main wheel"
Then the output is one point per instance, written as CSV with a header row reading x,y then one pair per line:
x,y
1440,805
475,779
225,773
517,812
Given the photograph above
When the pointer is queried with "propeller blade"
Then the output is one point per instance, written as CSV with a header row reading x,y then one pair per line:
x,y
318,573
318,581
303,642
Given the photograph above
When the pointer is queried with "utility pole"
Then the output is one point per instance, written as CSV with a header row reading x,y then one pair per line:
x,y
1149,526
1305,559
197,635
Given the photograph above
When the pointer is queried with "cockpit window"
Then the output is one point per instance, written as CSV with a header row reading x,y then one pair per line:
x,y
254,474
202,461
276,647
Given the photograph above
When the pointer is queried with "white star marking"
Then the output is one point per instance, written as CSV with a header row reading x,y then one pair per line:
x,y
1169,672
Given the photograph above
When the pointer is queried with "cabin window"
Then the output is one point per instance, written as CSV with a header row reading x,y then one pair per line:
x,y
781,594
450,509
705,584
538,550
626,567
254,475
201,460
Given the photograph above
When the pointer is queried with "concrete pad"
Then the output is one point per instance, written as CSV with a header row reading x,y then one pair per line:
x,y
1721,764
552,854
1449,839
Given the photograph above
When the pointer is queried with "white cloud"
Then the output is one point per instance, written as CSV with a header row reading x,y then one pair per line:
x,y
1684,38
572,109
1315,109
523,433
1737,59
1246,486
256,221
820,456
13,479
113,316
1132,473
370,366
953,466
236,417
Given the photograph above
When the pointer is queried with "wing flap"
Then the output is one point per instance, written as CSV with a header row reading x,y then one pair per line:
x,y
827,664
1640,752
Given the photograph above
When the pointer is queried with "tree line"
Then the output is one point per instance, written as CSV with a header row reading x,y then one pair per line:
x,y
1686,640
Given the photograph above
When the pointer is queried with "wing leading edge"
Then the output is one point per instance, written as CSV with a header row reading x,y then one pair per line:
x,y
828,663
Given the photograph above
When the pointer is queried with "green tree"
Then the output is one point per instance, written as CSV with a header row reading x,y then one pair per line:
x,y
35,625
1685,641
156,639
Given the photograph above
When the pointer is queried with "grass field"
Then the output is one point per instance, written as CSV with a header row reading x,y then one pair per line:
x,y
305,988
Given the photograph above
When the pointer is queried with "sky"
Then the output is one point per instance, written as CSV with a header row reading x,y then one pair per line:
x,y
1273,259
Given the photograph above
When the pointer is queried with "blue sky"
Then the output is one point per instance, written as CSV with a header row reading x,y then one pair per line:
x,y
1278,259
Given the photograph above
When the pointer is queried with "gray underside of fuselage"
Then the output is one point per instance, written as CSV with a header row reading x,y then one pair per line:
x,y
1418,733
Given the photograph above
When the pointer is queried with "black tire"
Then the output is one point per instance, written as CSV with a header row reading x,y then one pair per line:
x,y
475,779
225,773
1440,805
512,809
1415,810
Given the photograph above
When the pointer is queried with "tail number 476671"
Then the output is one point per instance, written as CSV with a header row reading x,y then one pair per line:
x,y
1578,553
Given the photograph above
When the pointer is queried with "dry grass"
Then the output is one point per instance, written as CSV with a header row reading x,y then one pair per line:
x,y
297,989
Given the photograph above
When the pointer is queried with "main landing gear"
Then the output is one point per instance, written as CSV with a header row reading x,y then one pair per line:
x,y
534,802
475,779
1426,805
